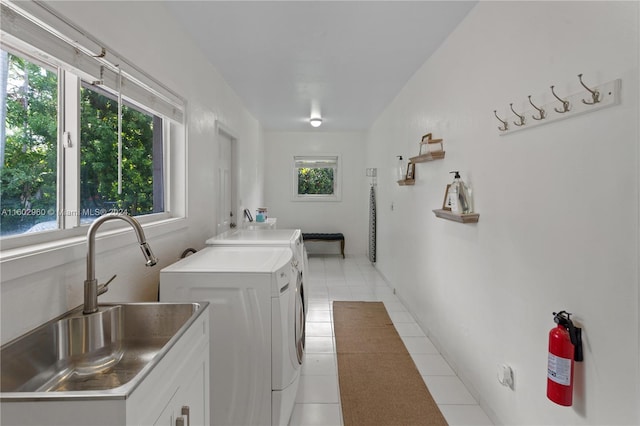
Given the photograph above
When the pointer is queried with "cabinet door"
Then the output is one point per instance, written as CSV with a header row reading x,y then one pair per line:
x,y
190,400
166,416
188,406
181,379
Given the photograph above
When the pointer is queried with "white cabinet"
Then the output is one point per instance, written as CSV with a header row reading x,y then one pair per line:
x,y
188,405
180,379
179,396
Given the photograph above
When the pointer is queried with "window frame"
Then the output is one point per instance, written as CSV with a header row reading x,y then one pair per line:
x,y
69,232
158,139
337,178
53,68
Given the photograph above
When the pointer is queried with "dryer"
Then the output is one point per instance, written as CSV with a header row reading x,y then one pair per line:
x,y
257,329
291,238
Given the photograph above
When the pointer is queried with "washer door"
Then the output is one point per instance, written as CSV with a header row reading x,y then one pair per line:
x,y
299,313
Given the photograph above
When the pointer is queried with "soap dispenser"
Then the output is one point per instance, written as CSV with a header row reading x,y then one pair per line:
x,y
400,168
459,198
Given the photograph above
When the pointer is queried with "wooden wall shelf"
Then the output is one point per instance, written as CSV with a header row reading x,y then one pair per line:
x,y
405,182
438,155
456,217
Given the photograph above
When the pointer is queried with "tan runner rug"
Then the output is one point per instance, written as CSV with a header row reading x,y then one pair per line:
x,y
379,383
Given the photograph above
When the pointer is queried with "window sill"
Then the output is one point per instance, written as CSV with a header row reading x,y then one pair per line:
x,y
316,198
34,258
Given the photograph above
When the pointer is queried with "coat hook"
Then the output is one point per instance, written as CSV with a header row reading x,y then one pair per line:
x,y
565,104
595,95
102,54
505,125
541,111
521,117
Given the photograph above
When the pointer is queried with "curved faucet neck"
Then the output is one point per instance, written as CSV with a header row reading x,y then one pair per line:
x,y
91,238
91,284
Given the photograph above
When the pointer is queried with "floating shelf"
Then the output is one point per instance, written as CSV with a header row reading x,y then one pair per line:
x,y
438,155
405,182
457,217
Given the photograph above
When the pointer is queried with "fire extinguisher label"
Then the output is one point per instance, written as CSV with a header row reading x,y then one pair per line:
x,y
559,369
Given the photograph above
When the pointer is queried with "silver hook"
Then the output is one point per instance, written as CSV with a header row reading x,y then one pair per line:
x,y
521,117
595,95
565,104
541,111
505,125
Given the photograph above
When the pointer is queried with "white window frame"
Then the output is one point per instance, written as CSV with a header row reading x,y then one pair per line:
x,y
337,177
70,233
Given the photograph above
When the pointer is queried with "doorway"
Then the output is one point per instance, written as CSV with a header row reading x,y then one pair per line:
x,y
227,181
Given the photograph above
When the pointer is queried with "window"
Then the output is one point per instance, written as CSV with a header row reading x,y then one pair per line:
x,y
63,161
316,178
140,189
29,140
127,180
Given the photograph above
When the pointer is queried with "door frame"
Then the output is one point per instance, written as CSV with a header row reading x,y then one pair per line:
x,y
223,131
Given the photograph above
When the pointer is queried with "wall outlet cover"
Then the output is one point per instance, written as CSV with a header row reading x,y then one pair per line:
x,y
505,376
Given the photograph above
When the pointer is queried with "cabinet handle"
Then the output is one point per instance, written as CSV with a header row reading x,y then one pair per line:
x,y
185,412
179,421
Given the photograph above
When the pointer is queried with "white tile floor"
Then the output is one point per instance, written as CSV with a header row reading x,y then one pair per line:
x,y
354,278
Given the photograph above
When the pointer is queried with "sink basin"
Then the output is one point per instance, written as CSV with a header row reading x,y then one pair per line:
x,y
90,343
111,348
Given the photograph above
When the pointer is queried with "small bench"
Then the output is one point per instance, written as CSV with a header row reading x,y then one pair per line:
x,y
338,236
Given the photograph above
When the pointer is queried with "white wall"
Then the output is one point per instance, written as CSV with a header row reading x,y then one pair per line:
x,y
349,216
145,34
558,206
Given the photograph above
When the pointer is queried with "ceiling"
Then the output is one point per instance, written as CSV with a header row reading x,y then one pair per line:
x,y
348,59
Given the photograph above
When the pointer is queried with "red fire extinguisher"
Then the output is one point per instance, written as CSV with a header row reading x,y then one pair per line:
x,y
565,347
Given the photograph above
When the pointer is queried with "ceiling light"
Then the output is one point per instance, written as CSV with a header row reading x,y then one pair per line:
x,y
315,121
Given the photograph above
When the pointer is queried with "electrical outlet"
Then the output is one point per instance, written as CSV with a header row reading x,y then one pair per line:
x,y
505,376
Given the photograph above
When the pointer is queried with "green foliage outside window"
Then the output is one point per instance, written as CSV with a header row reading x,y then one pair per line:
x,y
99,156
315,181
28,173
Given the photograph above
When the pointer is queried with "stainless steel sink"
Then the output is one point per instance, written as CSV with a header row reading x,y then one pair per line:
x,y
113,347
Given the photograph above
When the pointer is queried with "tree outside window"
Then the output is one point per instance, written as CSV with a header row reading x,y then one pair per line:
x,y
316,178
28,139
315,181
99,156
30,169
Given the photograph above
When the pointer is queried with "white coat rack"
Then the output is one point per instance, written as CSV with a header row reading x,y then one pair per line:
x,y
588,100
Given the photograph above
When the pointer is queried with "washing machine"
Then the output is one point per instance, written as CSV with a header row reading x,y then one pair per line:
x,y
257,328
291,238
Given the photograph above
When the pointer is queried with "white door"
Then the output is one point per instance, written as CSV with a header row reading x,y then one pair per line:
x,y
226,194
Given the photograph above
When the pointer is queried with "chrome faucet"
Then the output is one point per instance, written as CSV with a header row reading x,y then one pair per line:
x,y
91,288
